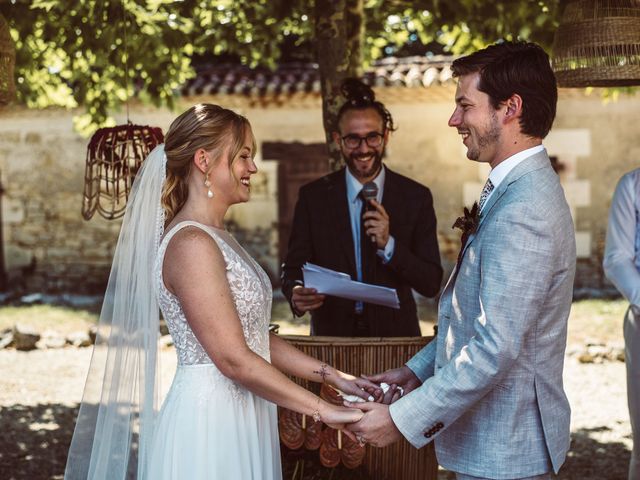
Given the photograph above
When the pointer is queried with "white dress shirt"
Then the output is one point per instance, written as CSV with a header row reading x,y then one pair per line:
x,y
622,251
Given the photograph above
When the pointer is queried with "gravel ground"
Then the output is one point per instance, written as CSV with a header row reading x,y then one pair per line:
x,y
40,391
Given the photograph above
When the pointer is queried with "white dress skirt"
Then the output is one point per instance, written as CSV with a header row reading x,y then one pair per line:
x,y
205,431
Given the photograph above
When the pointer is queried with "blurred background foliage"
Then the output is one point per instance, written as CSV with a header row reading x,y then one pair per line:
x,y
95,54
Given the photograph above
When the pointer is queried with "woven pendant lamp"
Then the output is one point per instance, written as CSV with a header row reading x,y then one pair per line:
x,y
598,44
114,156
7,64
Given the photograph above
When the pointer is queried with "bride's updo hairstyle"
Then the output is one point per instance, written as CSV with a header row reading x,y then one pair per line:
x,y
360,97
204,126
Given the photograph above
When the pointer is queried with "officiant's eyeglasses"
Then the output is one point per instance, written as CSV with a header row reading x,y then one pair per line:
x,y
373,140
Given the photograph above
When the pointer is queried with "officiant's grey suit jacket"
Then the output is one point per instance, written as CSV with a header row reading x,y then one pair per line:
x,y
492,396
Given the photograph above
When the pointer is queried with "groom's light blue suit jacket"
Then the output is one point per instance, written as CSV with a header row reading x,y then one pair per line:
x,y
492,397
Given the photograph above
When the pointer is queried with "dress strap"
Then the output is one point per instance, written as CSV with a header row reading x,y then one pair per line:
x,y
188,223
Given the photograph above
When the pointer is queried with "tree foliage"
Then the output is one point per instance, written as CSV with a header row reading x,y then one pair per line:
x,y
97,53
461,26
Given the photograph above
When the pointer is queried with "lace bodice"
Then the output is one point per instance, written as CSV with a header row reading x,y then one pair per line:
x,y
250,287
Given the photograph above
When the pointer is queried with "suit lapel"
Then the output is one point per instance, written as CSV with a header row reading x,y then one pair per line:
x,y
391,197
338,206
534,162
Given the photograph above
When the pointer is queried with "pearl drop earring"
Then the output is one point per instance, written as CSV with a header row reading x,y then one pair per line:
x,y
207,184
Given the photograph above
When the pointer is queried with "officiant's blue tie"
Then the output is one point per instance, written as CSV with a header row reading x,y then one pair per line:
x,y
362,248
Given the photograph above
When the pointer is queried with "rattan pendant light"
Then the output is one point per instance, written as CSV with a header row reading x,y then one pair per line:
x,y
7,64
598,44
114,156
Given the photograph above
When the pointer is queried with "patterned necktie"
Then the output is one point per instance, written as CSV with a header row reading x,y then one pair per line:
x,y
486,191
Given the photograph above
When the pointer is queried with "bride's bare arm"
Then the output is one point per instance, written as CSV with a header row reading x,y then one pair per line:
x,y
292,361
195,271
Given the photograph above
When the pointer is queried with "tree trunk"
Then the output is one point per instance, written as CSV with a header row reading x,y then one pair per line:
x,y
3,271
339,35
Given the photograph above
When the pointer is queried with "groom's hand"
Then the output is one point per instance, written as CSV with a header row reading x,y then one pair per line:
x,y
402,377
376,427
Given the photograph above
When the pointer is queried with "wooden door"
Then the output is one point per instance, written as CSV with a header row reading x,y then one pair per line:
x,y
298,165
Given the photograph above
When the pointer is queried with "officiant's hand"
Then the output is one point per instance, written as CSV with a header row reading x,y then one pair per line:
x,y
376,426
305,299
376,224
401,377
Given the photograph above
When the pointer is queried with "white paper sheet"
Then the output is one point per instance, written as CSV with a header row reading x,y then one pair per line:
x,y
339,284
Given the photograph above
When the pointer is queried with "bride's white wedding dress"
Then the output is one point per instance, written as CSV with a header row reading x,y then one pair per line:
x,y
210,427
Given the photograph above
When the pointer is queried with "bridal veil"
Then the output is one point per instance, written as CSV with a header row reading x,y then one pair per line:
x,y
116,418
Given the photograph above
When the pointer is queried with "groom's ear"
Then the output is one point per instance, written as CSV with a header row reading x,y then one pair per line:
x,y
512,108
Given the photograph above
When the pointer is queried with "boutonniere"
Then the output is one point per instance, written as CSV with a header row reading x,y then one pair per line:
x,y
468,222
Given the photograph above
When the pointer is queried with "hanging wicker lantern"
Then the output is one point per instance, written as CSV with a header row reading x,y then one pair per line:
x,y
114,156
7,64
598,44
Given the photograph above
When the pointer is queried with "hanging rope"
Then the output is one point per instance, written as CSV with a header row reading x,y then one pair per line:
x,y
126,58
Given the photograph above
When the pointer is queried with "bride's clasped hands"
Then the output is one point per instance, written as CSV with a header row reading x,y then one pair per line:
x,y
337,416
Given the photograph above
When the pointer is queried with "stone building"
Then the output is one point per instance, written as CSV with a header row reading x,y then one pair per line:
x,y
49,247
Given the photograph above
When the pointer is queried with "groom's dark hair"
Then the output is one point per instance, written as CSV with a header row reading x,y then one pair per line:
x,y
521,68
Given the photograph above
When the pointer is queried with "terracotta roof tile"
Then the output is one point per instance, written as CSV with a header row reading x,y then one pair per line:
x,y
293,78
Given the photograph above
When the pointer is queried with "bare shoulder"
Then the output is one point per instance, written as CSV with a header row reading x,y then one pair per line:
x,y
191,240
191,255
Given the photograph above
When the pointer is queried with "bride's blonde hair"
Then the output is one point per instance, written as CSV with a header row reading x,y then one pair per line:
x,y
204,126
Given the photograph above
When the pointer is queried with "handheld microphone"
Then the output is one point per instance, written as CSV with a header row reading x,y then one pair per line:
x,y
369,192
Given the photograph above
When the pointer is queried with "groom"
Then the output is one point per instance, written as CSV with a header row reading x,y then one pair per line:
x,y
489,389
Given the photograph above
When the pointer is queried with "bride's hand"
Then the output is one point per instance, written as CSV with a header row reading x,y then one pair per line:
x,y
359,386
336,417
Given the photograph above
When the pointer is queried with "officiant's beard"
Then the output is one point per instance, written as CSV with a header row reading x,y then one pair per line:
x,y
356,170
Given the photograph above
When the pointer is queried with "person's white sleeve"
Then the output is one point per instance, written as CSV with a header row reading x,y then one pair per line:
x,y
386,253
619,256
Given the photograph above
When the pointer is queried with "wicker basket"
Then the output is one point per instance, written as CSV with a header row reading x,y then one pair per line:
x,y
372,355
598,44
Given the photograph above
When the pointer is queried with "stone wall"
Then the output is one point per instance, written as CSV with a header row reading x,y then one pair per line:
x,y
49,247
604,147
47,244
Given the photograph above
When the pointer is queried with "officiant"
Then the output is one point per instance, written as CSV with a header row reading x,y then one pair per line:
x,y
367,221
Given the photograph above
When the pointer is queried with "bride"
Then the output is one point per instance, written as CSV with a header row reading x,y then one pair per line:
x,y
219,417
